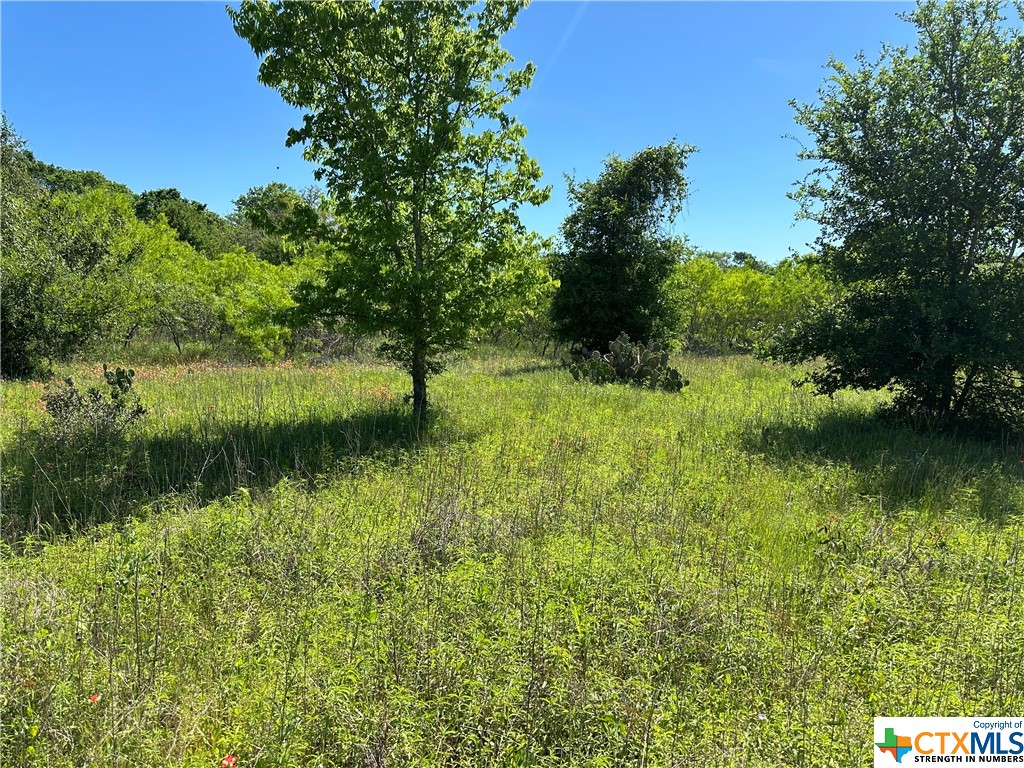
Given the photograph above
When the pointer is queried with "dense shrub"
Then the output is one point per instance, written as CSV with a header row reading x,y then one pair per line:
x,y
94,416
618,252
69,267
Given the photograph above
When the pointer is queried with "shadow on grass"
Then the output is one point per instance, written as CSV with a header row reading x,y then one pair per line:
x,y
56,489
521,370
897,466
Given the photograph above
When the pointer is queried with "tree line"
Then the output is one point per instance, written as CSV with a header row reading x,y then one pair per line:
x,y
164,265
85,259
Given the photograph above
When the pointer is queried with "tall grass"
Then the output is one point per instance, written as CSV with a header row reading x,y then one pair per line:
x,y
288,571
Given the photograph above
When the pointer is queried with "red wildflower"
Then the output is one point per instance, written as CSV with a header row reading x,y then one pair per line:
x,y
229,761
94,698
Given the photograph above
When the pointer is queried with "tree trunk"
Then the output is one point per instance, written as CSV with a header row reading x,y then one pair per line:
x,y
419,347
940,392
419,383
948,392
130,335
965,392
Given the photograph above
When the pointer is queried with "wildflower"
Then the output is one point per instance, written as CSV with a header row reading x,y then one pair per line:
x,y
229,761
93,698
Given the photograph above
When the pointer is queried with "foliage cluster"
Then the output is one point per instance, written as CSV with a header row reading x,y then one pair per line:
x,y
203,229
918,188
84,260
617,253
726,304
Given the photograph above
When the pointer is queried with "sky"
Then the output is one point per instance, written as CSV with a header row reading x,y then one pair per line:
x,y
164,94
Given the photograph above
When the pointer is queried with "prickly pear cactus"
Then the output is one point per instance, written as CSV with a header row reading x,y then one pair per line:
x,y
120,382
628,363
594,369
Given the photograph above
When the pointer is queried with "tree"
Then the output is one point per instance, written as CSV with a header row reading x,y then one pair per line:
x,y
203,229
405,118
95,243
618,254
23,260
170,289
68,276
275,221
919,192
70,245
57,179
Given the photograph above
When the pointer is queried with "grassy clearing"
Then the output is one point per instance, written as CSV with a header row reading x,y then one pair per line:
x,y
281,568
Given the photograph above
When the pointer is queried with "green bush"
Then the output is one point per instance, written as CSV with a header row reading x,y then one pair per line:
x,y
731,304
629,363
94,415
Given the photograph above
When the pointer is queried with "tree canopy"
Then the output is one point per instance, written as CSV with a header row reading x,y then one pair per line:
x,y
918,187
405,117
79,267
204,230
618,253
276,221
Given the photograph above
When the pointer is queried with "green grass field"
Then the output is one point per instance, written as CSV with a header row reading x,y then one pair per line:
x,y
279,567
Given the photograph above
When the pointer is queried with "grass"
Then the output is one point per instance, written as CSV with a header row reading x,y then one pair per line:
x,y
281,567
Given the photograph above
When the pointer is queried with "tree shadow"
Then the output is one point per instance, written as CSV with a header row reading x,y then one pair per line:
x,y
55,488
521,370
896,466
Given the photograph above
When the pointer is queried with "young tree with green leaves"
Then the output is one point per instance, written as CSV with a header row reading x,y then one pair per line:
x,y
918,188
405,117
617,253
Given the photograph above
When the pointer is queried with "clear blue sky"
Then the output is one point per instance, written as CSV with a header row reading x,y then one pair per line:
x,y
165,95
